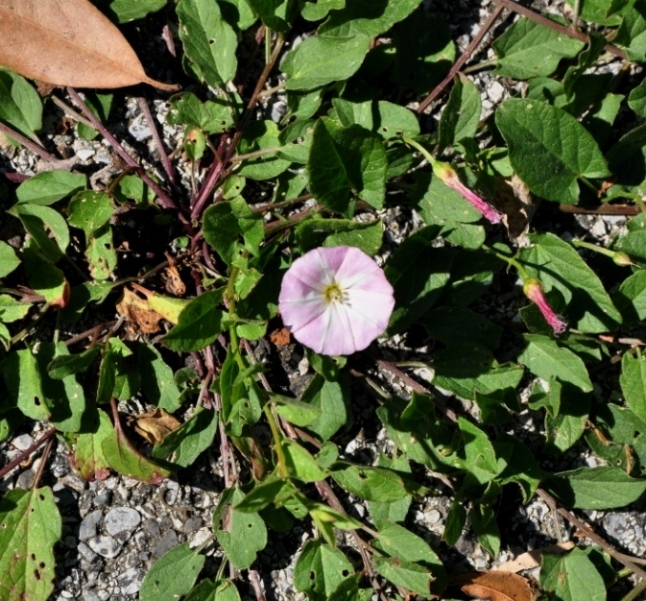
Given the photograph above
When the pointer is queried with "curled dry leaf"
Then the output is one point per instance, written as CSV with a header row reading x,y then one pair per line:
x,y
68,43
494,585
280,337
137,311
532,559
154,425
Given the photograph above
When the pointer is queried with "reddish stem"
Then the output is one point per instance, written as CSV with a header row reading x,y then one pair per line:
x,y
26,453
439,88
162,197
27,143
168,167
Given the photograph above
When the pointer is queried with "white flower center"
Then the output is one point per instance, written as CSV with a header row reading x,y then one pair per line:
x,y
333,293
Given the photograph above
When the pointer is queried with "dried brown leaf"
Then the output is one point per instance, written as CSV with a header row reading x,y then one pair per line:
x,y
280,337
154,425
68,43
495,586
137,311
532,559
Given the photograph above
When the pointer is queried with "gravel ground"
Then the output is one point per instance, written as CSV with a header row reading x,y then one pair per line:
x,y
114,529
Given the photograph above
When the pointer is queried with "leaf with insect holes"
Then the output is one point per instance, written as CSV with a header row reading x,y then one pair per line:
x,y
30,526
68,44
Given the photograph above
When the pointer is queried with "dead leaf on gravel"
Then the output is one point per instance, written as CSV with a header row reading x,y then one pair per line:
x,y
495,586
280,337
68,43
137,312
154,425
515,200
532,559
173,281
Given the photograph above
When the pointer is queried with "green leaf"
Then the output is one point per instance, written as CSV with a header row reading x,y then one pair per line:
x,y
546,359
461,115
393,511
46,279
8,259
296,412
211,116
39,221
401,543
631,34
407,575
633,242
65,396
124,458
572,577
200,323
172,575
444,207
157,379
483,522
262,136
226,222
480,460
24,385
301,464
332,399
12,310
368,17
566,427
545,139
275,14
87,449
630,299
20,104
559,267
319,9
131,10
370,483
49,187
209,41
596,488
385,118
245,533
90,211
528,49
101,254
320,60
418,272
633,383
468,370
190,440
346,161
320,569
30,526
340,232
207,590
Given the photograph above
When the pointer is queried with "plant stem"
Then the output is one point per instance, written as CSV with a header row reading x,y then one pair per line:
x,y
466,55
530,14
27,143
159,143
163,198
524,275
43,460
16,461
625,560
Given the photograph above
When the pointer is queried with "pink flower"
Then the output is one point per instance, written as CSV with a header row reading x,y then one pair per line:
x,y
336,300
450,178
534,292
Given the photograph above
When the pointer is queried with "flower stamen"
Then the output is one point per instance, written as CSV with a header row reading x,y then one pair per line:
x,y
334,294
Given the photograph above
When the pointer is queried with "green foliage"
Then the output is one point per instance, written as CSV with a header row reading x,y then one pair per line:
x,y
30,525
302,124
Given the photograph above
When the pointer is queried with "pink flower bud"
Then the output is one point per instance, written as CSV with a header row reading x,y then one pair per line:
x,y
535,293
450,178
336,300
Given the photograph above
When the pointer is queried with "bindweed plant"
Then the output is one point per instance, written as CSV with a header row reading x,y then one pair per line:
x,y
329,188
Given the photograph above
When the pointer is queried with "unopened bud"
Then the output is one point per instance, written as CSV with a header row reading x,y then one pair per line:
x,y
449,177
534,292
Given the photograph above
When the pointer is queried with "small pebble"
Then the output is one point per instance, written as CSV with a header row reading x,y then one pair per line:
x,y
105,546
122,519
90,524
130,581
165,543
